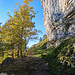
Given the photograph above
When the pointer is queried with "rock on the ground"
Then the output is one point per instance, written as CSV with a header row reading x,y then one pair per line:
x,y
3,74
28,66
7,61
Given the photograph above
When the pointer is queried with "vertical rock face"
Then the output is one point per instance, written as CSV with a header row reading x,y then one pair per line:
x,y
59,18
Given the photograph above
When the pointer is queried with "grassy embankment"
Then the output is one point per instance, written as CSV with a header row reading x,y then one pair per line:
x,y
54,56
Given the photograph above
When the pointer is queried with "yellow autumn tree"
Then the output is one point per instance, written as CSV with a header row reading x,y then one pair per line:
x,y
20,28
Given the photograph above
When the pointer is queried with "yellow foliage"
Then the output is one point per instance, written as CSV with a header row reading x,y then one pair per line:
x,y
3,42
0,26
26,1
30,0
11,21
31,7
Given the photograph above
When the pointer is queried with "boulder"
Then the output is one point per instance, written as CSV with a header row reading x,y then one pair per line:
x,y
8,61
3,74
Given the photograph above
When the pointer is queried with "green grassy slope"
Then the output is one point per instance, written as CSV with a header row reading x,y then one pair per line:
x,y
59,59
40,48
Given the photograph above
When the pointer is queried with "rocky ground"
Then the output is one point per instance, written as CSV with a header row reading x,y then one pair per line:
x,y
29,65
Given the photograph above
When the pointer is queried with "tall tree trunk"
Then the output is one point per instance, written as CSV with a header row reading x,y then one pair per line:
x,y
21,43
21,47
12,50
7,51
25,43
12,54
18,52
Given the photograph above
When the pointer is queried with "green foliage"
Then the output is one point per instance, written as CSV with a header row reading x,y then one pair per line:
x,y
40,48
54,55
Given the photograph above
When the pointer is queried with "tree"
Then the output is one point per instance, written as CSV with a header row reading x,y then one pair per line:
x,y
40,39
0,38
19,29
2,45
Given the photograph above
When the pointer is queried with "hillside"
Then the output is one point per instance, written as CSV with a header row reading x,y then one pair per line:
x,y
61,58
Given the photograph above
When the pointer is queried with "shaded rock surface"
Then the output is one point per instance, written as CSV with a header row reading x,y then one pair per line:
x,y
7,61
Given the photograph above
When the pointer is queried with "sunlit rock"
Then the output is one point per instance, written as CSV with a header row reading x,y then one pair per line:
x,y
59,18
3,74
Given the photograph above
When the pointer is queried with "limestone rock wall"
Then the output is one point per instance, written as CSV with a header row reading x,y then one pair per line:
x,y
59,18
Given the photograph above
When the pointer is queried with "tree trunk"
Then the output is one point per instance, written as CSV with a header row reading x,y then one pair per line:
x,y
21,43
12,54
21,47
18,52
25,43
7,53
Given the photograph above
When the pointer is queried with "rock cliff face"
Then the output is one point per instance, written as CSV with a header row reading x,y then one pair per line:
x,y
59,18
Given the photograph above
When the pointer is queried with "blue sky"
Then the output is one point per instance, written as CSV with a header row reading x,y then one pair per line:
x,y
8,5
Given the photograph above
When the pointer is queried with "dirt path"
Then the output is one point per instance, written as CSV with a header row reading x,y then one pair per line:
x,y
40,66
29,65
30,53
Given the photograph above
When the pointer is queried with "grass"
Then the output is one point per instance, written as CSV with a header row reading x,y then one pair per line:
x,y
54,56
